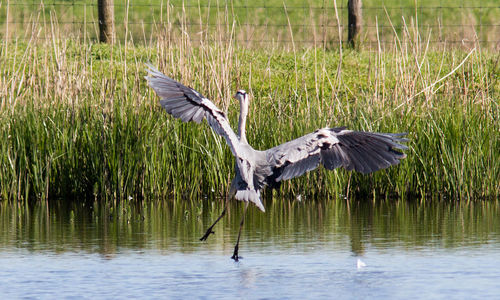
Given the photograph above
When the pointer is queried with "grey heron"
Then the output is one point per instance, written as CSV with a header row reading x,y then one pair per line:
x,y
364,152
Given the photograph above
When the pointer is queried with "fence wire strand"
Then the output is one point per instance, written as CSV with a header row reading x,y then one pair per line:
x,y
260,21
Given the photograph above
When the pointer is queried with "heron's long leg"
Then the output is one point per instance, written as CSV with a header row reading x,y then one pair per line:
x,y
235,254
232,191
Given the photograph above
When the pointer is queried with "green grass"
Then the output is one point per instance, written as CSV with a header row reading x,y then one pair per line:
x,y
78,121
261,22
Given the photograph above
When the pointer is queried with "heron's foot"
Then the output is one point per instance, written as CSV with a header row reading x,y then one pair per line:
x,y
236,257
235,254
207,234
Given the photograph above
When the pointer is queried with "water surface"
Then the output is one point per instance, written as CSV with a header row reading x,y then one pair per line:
x,y
295,250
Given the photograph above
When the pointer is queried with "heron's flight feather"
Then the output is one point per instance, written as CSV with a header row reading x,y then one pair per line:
x,y
188,105
364,152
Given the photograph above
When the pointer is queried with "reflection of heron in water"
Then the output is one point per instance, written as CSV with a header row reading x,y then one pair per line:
x,y
364,152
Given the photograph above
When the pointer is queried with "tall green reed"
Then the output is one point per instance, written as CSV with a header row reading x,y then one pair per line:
x,y
78,121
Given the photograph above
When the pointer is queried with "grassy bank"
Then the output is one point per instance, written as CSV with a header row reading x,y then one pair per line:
x,y
77,119
261,23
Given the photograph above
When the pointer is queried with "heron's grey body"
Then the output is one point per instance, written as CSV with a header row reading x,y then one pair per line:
x,y
364,152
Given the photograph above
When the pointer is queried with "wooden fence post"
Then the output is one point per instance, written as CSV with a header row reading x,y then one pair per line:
x,y
106,20
355,21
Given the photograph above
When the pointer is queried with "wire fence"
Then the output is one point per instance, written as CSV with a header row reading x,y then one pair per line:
x,y
260,22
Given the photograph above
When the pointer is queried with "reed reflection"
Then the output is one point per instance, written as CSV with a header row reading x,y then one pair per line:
x,y
175,226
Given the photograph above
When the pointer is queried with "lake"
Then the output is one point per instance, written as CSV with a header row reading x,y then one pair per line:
x,y
297,249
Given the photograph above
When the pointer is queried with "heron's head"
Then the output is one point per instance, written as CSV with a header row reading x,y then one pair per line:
x,y
241,96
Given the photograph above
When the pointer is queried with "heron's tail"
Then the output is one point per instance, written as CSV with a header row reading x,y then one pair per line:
x,y
252,196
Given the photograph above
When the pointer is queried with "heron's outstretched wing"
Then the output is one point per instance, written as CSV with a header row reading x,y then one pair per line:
x,y
188,105
364,152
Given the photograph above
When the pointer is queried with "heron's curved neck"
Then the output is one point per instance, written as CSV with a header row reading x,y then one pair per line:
x,y
243,120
